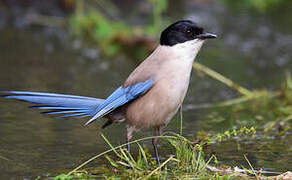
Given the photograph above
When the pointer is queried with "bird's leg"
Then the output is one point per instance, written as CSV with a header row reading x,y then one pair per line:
x,y
157,132
128,145
130,130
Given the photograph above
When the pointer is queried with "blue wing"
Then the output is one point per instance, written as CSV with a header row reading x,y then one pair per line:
x,y
121,96
60,104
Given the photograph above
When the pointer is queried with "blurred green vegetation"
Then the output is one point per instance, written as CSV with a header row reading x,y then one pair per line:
x,y
96,28
99,23
112,36
262,109
261,6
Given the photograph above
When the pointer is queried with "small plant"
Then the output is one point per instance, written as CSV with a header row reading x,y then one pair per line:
x,y
188,160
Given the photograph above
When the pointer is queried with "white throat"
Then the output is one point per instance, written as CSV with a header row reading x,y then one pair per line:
x,y
187,50
178,59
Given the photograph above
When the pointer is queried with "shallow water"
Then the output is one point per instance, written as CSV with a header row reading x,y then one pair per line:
x,y
253,50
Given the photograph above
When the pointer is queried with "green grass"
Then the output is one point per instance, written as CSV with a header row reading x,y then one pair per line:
x,y
188,161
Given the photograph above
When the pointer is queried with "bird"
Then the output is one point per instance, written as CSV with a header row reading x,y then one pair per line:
x,y
148,98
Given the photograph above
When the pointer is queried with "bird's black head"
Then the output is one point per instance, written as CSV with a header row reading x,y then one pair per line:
x,y
182,31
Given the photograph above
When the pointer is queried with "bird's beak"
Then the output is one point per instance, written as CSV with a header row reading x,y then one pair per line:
x,y
206,35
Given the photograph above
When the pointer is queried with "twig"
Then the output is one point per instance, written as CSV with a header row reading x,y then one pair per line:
x,y
256,175
232,170
221,78
181,120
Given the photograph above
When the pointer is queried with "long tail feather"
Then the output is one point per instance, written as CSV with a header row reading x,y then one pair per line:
x,y
70,105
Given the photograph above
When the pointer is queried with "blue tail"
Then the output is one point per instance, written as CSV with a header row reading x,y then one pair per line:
x,y
59,104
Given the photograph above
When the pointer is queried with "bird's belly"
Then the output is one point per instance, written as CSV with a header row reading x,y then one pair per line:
x,y
159,104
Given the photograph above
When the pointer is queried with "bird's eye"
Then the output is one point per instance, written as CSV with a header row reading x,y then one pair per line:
x,y
189,32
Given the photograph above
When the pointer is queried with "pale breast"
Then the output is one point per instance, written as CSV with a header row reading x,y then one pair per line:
x,y
161,102
171,68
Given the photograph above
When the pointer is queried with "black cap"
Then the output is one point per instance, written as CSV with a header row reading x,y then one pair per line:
x,y
182,31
